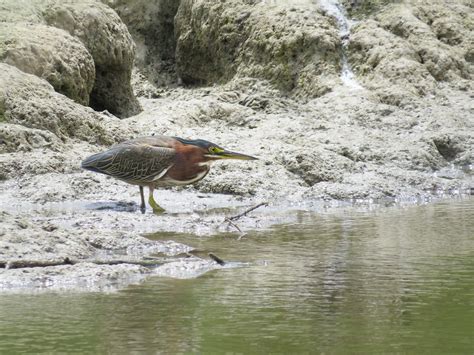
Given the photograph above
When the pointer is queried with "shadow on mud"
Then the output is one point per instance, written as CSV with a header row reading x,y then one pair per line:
x,y
118,206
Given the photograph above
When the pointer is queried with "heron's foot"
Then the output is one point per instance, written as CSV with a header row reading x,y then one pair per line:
x,y
142,209
157,209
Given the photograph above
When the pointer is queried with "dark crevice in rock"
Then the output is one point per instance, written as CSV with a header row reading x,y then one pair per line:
x,y
446,148
106,96
151,24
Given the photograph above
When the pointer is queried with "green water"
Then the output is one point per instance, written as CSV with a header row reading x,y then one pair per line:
x,y
394,280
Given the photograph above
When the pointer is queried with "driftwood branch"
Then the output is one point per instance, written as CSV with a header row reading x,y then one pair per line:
x,y
146,263
149,262
19,264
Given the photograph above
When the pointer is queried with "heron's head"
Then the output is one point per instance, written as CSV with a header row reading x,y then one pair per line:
x,y
211,151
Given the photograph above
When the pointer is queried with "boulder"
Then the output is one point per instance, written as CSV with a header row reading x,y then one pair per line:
x,y
107,39
25,11
316,165
101,33
18,138
295,48
442,60
405,50
51,54
32,102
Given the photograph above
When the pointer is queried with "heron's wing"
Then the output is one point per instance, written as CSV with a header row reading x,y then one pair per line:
x,y
155,141
133,162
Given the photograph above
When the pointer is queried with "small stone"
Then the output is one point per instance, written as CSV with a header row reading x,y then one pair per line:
x,y
49,227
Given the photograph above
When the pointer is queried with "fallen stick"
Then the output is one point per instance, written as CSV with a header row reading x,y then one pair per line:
x,y
240,215
146,263
236,217
233,224
242,234
217,259
20,264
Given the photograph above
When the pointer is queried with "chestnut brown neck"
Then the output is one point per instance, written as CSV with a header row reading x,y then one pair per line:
x,y
187,163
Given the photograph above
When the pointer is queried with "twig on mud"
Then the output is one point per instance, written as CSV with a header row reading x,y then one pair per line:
x,y
242,234
240,215
233,224
236,217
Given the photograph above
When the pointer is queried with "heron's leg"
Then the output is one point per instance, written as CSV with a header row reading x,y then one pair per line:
x,y
142,205
151,201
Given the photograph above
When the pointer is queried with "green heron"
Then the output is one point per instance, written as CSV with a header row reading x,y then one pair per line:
x,y
159,161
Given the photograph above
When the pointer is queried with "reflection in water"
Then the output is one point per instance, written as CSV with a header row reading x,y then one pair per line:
x,y
392,280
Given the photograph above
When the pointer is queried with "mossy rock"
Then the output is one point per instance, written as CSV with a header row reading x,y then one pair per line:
x,y
99,30
31,102
363,9
51,54
295,48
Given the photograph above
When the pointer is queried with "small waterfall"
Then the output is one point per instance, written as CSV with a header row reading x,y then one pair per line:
x,y
336,10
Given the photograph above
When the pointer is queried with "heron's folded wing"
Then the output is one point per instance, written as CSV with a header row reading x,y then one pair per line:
x,y
134,163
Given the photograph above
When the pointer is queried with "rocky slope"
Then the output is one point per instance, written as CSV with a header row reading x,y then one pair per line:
x,y
261,77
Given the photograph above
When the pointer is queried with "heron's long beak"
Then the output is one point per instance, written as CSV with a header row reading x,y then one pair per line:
x,y
226,154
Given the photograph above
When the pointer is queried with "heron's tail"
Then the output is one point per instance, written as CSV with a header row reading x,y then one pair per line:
x,y
98,162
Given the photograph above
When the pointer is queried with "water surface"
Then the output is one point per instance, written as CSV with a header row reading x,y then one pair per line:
x,y
391,280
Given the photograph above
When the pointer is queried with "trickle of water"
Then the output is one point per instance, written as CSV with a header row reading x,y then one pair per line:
x,y
336,10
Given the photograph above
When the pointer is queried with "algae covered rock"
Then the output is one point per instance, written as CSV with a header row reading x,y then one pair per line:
x,y
64,37
51,54
18,138
42,130
406,49
107,39
25,11
32,102
295,48
317,165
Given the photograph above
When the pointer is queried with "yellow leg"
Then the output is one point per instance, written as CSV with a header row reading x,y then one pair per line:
x,y
157,209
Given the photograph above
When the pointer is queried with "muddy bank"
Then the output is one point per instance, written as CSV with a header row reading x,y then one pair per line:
x,y
263,78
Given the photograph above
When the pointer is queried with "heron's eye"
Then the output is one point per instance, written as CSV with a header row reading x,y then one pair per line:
x,y
215,150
